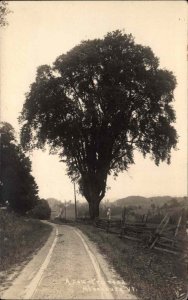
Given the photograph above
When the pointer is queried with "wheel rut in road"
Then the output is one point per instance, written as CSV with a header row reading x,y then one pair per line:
x,y
72,269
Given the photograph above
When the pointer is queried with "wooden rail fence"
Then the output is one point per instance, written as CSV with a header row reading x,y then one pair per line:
x,y
163,236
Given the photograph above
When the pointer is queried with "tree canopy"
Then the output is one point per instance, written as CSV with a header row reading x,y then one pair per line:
x,y
4,11
97,104
18,189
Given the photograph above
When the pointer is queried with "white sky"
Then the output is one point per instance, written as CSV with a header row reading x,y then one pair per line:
x,y
39,31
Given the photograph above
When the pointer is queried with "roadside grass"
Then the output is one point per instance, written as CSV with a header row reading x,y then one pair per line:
x,y
148,273
20,238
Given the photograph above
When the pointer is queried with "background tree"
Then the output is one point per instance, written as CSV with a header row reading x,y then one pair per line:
x,y
173,202
41,210
17,185
96,105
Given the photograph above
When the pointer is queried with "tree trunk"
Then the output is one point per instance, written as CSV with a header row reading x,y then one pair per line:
x,y
93,188
94,209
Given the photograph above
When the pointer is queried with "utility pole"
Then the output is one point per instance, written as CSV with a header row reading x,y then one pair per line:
x,y
1,145
75,206
65,209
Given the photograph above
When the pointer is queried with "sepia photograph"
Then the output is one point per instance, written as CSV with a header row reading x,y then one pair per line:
x,y
93,150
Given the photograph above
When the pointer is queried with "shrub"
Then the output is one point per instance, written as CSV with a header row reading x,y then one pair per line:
x,y
41,211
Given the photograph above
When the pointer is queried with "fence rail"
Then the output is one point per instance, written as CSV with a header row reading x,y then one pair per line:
x,y
164,236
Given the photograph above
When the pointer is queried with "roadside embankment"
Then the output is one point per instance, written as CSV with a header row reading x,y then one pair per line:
x,y
149,274
20,239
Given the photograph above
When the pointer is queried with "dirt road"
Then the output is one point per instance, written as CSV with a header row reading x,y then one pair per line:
x,y
69,266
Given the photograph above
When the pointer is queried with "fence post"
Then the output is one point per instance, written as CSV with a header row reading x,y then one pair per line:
x,y
143,218
146,218
159,230
122,222
108,226
177,229
108,218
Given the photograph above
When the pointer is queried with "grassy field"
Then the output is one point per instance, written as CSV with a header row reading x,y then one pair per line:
x,y
149,274
20,238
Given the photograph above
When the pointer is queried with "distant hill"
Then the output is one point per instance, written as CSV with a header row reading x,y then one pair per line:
x,y
145,202
141,204
131,200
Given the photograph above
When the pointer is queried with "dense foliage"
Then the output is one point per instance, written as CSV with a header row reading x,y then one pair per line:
x,y
18,189
41,210
96,105
4,11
